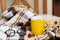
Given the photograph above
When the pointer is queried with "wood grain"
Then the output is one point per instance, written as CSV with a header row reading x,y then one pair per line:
x,y
36,6
16,2
3,5
26,3
44,6
56,8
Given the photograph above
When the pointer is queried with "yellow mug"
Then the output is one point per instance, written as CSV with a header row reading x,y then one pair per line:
x,y
39,25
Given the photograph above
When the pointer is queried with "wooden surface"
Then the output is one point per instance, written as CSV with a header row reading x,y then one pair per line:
x,y
56,7
26,3
3,5
36,6
44,6
16,2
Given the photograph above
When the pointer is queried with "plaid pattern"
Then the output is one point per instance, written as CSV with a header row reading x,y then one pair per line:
x,y
10,12
2,21
21,17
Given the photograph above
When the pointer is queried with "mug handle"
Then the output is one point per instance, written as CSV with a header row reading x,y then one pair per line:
x,y
47,24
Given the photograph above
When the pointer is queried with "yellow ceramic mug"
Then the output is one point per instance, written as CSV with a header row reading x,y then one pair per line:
x,y
39,25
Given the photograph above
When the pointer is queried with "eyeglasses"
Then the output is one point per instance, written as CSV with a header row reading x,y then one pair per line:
x,y
11,32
